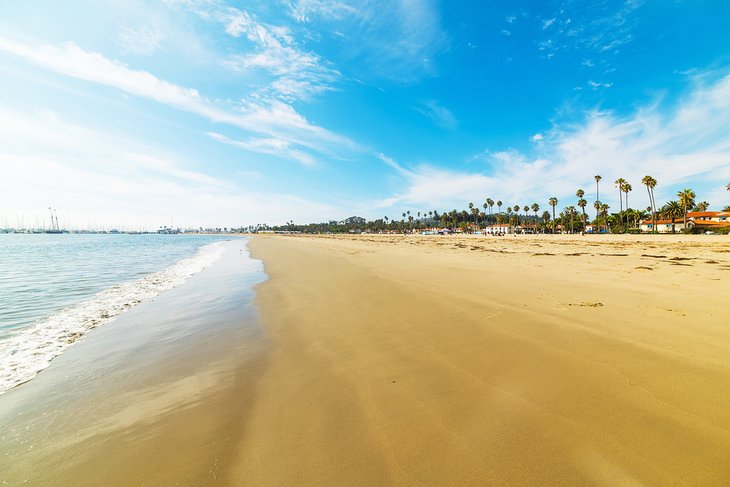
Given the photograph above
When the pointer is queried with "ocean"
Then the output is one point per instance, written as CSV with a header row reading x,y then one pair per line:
x,y
54,289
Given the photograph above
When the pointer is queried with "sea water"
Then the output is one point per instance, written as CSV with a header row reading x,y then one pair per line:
x,y
55,288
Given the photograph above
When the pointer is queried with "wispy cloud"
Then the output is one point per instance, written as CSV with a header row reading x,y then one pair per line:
x,y
144,40
94,177
272,146
608,27
297,74
308,10
598,85
273,118
396,39
438,114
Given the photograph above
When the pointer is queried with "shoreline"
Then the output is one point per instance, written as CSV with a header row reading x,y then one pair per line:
x,y
454,360
156,397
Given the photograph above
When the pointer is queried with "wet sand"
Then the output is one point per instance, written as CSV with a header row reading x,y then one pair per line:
x,y
156,397
596,360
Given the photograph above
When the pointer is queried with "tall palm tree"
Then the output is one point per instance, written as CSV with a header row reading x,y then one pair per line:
x,y
597,205
627,189
545,219
499,206
516,209
650,184
597,178
535,209
582,204
702,206
604,212
570,213
673,210
471,207
687,200
490,202
620,185
526,208
553,202
485,206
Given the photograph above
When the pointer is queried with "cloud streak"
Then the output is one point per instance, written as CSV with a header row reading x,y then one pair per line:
x,y
274,118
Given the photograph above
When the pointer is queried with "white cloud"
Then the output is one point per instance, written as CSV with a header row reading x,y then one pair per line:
x,y
307,10
95,179
598,85
599,31
537,137
296,74
438,114
397,39
273,118
272,146
144,40
680,145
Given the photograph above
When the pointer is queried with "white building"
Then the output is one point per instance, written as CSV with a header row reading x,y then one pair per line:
x,y
700,220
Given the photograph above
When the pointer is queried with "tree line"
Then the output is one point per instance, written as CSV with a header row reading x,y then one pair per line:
x,y
572,218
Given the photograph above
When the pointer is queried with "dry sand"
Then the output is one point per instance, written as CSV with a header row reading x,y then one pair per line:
x,y
596,360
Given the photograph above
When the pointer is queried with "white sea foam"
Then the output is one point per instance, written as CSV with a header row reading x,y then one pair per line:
x,y
29,350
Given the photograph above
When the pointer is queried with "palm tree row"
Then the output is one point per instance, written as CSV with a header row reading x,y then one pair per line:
x,y
627,219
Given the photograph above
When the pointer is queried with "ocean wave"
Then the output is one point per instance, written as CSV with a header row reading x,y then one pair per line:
x,y
27,351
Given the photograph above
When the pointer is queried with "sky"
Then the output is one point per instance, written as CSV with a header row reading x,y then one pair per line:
x,y
136,114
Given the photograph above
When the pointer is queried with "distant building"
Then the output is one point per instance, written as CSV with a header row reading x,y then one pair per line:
x,y
497,229
701,221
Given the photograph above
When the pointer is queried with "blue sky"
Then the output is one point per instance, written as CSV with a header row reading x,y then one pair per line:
x,y
204,112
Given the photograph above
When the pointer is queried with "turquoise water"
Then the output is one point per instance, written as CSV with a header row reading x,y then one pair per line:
x,y
55,288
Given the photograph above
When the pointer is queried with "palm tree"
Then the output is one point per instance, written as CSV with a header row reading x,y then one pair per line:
x,y
535,209
597,178
545,218
553,202
673,210
687,200
582,204
727,187
627,188
499,206
597,206
570,213
471,208
490,202
526,208
650,184
604,212
485,206
620,185
702,206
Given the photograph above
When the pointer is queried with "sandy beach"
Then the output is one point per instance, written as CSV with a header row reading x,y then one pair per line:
x,y
401,360
544,360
